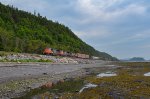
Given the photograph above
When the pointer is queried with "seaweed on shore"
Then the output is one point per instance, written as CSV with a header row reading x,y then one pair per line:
x,y
70,86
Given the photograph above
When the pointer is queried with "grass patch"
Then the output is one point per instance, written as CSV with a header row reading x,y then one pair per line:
x,y
3,53
68,86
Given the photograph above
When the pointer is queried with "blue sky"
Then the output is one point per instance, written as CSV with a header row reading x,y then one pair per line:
x,y
118,27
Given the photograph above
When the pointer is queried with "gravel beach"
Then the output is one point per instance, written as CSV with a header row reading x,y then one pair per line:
x,y
16,78
11,71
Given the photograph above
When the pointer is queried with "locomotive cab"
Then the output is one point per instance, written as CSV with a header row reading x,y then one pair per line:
x,y
48,51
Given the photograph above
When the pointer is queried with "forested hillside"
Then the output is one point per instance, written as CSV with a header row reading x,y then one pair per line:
x,y
22,31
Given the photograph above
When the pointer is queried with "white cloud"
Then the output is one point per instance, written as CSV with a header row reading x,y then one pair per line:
x,y
146,46
28,5
137,37
89,33
108,9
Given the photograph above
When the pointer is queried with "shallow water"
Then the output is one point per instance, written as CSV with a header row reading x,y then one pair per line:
x,y
107,74
89,85
147,74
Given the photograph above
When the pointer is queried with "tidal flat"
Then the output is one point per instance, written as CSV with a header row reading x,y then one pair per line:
x,y
128,82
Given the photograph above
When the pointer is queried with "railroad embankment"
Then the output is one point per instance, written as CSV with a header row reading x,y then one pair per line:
x,y
25,58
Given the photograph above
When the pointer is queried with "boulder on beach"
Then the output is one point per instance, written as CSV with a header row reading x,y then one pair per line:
x,y
47,85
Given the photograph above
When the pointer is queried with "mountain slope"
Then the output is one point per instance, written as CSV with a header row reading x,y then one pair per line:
x,y
22,31
134,59
137,59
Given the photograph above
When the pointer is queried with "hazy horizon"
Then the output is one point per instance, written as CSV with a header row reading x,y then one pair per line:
x,y
117,27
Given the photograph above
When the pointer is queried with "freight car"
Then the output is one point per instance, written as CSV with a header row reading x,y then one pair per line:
x,y
50,51
84,56
95,58
60,52
68,54
54,52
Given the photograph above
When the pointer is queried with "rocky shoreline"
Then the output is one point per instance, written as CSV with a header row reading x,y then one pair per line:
x,y
17,78
16,88
21,72
25,57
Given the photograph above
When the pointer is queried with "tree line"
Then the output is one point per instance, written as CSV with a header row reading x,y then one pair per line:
x,y
22,31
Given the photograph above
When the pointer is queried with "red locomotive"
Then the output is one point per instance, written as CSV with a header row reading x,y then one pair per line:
x,y
48,51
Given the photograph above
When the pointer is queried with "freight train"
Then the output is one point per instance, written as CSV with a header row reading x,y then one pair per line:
x,y
54,52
